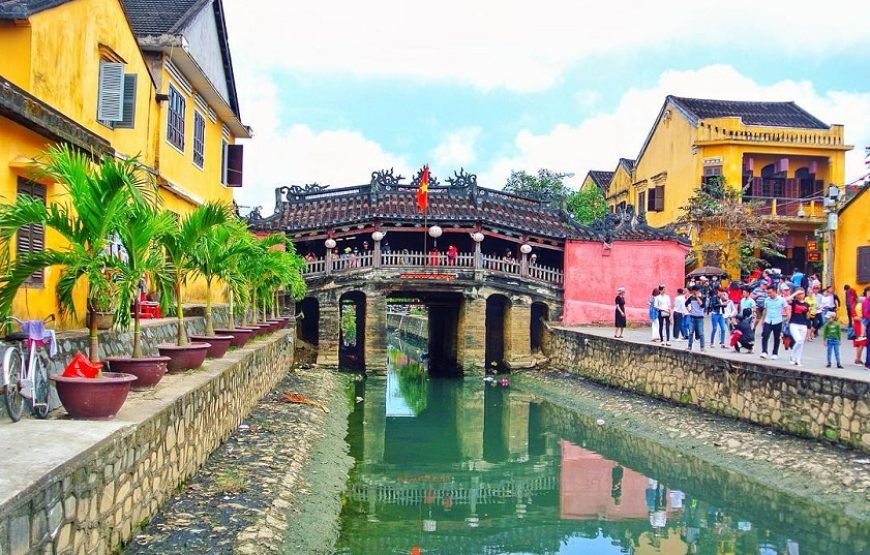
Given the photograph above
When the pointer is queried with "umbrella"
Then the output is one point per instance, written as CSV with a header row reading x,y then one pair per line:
x,y
708,271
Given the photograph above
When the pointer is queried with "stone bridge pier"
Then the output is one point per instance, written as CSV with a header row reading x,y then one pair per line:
x,y
470,328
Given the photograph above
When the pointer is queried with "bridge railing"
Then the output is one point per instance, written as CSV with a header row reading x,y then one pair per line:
x,y
418,260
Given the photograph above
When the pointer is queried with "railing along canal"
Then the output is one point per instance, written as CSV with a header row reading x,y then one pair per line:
x,y
422,261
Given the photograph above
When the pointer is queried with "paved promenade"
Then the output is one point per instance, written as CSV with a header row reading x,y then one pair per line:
x,y
813,359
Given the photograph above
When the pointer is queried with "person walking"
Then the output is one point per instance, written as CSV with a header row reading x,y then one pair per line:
x,y
696,313
619,315
832,333
663,306
858,331
680,319
747,305
798,325
771,317
653,314
716,306
851,300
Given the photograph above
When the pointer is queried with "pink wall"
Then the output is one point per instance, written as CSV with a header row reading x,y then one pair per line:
x,y
593,272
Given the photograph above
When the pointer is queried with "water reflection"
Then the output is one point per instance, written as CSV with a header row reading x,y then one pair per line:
x,y
459,467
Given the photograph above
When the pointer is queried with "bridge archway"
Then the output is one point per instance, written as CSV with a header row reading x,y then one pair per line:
x,y
352,327
498,326
308,320
540,313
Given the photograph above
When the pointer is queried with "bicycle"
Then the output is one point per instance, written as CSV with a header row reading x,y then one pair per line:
x,y
28,383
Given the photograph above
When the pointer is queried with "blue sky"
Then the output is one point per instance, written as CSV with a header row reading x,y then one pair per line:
x,y
339,89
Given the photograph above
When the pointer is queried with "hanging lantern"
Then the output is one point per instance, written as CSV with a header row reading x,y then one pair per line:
x,y
525,248
378,236
477,237
435,232
329,243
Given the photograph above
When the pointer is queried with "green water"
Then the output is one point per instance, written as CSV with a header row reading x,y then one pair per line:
x,y
455,467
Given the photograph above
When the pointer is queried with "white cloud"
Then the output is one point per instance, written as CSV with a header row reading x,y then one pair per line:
x,y
458,149
519,44
597,142
297,155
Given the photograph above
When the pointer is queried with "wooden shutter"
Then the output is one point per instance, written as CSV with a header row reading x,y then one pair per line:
x,y
234,165
31,238
641,202
659,198
128,121
110,102
864,265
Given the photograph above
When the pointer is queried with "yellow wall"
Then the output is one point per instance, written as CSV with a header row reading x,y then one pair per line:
x,y
15,46
620,189
853,231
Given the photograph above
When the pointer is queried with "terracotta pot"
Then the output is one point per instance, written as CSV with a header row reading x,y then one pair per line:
x,y
148,370
104,320
240,335
94,398
219,344
184,358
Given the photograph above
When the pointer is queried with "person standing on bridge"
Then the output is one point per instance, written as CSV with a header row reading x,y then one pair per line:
x,y
452,253
696,314
619,316
663,306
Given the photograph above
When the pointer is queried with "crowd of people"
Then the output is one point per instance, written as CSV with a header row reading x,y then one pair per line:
x,y
790,312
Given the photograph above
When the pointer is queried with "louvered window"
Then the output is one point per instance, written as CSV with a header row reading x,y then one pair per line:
x,y
864,265
224,146
31,238
128,117
642,202
235,154
198,139
175,119
110,99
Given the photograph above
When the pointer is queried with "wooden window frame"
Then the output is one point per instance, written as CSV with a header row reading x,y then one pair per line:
x,y
862,267
198,139
175,118
30,234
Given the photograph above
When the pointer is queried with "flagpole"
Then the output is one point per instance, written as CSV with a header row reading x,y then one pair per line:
x,y
426,234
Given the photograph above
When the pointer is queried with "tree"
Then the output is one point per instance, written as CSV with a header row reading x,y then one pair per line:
x,y
587,205
546,182
97,196
722,222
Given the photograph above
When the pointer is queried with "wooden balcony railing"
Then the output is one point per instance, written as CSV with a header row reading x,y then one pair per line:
x,y
421,261
787,207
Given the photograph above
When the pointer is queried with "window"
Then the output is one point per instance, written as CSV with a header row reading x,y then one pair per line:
x,y
711,173
656,200
175,121
128,102
198,139
864,264
641,202
235,156
224,146
116,96
31,238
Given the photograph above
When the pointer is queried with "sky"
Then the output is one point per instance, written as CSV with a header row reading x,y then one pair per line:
x,y
335,90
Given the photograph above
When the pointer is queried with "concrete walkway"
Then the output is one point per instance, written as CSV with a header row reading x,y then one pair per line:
x,y
813,358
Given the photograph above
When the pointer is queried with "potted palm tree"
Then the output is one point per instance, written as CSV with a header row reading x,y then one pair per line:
x,y
242,242
213,259
140,227
96,194
179,244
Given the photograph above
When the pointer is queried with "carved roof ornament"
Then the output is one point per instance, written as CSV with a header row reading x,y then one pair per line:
x,y
433,181
462,179
385,180
295,193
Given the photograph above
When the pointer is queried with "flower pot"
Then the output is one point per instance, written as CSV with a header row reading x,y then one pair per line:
x,y
94,398
104,320
148,370
219,344
184,358
274,325
240,336
260,329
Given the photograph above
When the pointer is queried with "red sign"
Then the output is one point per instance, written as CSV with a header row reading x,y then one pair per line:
x,y
428,276
812,245
814,256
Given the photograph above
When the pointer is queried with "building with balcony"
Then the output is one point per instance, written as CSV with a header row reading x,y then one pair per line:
x,y
781,156
146,78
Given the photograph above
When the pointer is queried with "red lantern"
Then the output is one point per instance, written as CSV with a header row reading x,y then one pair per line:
x,y
415,551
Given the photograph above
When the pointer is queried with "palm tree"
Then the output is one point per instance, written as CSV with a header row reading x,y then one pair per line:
x,y
96,194
179,244
141,226
216,257
267,271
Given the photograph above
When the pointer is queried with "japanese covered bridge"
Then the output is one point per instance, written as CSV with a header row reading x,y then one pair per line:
x,y
491,267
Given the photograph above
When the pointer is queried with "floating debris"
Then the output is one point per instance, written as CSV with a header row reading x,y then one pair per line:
x,y
290,397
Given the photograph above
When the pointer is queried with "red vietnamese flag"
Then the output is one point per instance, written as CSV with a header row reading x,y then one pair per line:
x,y
423,191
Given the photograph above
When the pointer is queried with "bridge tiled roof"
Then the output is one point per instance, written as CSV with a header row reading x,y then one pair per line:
x,y
386,199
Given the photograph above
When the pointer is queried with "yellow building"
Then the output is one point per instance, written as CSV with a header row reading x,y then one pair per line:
x,y
781,156
618,190
599,179
852,244
92,74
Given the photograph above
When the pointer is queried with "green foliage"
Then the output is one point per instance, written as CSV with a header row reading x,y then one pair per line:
x,y
722,222
347,323
587,205
545,182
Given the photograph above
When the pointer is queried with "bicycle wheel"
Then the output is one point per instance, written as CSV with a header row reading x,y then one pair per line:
x,y
39,403
12,369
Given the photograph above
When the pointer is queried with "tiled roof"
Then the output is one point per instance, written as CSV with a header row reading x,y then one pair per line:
x,y
628,163
772,114
354,205
22,9
158,17
601,178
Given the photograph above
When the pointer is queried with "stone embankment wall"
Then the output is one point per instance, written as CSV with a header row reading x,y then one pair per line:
x,y
409,324
97,500
801,403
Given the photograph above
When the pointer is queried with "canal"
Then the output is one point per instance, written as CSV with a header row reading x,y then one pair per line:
x,y
468,466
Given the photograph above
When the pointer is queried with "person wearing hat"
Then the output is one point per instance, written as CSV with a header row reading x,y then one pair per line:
x,y
832,333
619,315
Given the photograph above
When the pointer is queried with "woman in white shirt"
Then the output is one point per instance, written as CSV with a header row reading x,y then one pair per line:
x,y
662,304
679,315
